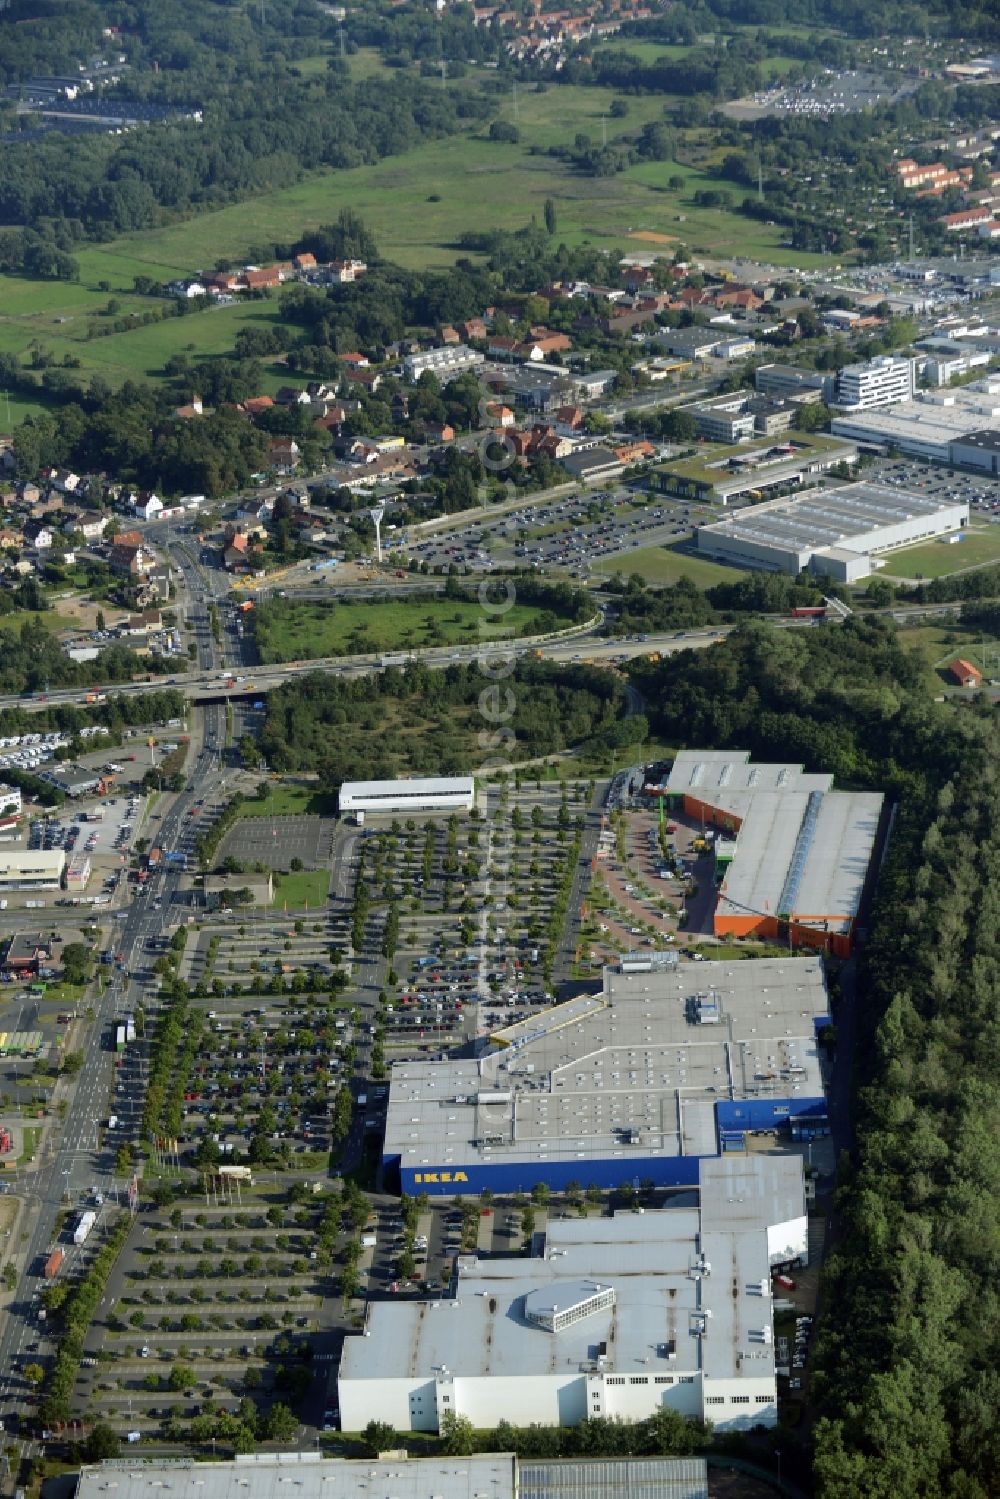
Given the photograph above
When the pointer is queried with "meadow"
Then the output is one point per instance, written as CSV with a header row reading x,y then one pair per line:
x,y
418,204
937,559
303,631
665,565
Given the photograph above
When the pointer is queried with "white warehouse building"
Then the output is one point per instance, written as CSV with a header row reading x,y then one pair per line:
x,y
832,532
421,794
24,869
617,1317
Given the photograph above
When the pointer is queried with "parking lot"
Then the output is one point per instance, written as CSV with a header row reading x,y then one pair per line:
x,y
276,841
980,491
570,533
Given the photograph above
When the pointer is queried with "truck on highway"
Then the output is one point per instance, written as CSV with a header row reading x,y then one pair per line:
x,y
53,1263
82,1231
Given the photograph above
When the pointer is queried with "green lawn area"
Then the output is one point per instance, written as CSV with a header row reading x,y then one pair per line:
x,y
293,630
935,559
666,565
30,1146
291,801
939,644
307,888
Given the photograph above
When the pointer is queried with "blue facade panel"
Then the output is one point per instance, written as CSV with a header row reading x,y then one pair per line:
x,y
507,1177
764,1113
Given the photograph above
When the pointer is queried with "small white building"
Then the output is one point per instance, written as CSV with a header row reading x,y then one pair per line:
x,y
148,506
421,794
10,802
619,1317
34,869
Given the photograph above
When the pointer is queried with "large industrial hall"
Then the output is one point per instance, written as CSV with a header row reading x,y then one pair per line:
x,y
640,1082
618,1317
796,854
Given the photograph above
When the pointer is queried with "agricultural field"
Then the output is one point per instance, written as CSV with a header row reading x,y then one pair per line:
x,y
937,559
290,630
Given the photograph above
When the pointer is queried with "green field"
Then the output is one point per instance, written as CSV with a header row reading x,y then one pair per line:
x,y
940,643
665,565
294,892
290,630
936,559
417,204
290,801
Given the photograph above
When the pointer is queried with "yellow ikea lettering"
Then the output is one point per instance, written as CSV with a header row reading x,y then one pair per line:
x,y
440,1176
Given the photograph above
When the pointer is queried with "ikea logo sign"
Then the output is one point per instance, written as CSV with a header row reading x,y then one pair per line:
x,y
440,1176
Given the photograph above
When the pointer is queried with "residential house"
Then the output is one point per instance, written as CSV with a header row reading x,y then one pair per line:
x,y
262,280
146,623
290,395
255,405
284,455
129,561
192,409
10,541
223,283
187,289
367,379
128,539
475,327
235,553
502,346
346,271
569,416
148,506
355,361
305,262
450,335
640,451
439,431
91,524
498,415
38,534
400,407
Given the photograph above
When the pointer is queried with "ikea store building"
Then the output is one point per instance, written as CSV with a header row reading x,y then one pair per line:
x,y
641,1082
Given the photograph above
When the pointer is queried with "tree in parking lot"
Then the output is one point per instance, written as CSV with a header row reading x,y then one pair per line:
x,y
280,1424
34,1374
182,1377
72,1063
102,1443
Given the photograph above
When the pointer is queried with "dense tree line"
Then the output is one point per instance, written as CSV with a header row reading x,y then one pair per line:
x,y
905,1379
32,660
134,434
337,726
684,605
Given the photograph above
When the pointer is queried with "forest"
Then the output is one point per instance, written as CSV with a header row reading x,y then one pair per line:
x,y
263,124
905,1384
449,722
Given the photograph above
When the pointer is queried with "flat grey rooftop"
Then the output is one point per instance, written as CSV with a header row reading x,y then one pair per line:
x,y
303,1475
614,1478
692,1294
635,1071
828,517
